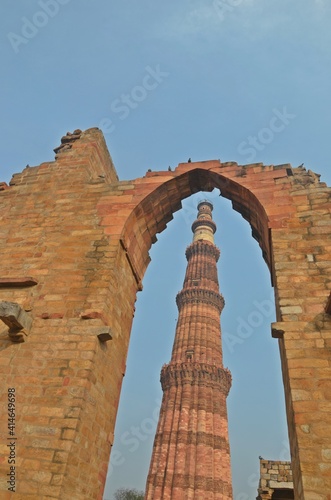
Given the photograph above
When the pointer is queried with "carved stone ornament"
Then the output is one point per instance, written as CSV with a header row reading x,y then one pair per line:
x,y
17,320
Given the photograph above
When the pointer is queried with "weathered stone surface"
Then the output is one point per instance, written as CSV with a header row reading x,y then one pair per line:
x,y
275,477
86,242
17,320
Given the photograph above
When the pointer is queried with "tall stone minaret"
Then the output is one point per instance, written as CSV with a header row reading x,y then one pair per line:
x,y
191,455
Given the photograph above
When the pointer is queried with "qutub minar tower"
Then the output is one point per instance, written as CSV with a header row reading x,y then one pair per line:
x,y
191,454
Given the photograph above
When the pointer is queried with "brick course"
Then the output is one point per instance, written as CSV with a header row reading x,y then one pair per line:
x,y
275,477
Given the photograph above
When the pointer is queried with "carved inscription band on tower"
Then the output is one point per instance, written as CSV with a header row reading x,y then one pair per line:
x,y
191,454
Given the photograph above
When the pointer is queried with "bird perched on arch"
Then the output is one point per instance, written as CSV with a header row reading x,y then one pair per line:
x,y
189,160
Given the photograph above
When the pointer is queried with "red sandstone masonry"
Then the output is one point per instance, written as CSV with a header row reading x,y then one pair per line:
x,y
191,456
56,227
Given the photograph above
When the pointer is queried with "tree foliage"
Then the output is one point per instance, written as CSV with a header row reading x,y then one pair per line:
x,y
128,494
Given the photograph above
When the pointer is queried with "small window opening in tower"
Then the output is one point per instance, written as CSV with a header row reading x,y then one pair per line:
x,y
189,353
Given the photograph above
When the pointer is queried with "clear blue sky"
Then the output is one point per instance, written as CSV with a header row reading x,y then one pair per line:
x,y
167,81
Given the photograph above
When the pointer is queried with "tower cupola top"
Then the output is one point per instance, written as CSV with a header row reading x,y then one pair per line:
x,y
204,227
203,204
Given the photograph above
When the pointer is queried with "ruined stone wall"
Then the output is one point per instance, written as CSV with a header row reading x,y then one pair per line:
x,y
274,476
74,249
67,381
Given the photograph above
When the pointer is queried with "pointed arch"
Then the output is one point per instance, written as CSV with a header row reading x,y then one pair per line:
x,y
289,213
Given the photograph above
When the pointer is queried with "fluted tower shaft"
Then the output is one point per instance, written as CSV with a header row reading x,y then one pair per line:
x,y
191,455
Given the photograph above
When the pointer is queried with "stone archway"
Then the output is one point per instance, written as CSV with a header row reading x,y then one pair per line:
x,y
93,231
289,217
